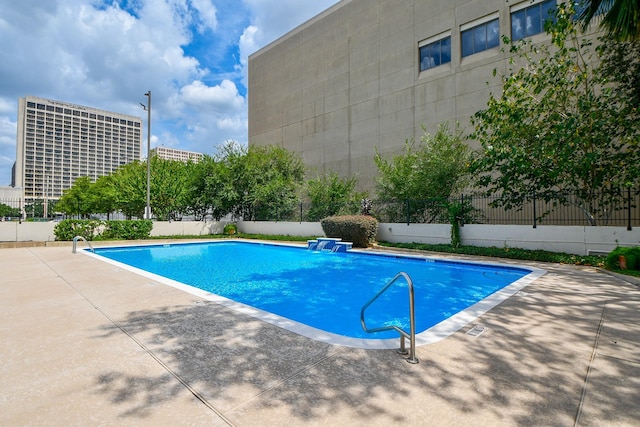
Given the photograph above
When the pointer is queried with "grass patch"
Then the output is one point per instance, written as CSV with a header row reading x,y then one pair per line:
x,y
509,253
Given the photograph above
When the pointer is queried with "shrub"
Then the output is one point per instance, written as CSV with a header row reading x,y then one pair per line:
x,y
128,230
230,229
94,229
70,228
631,255
361,230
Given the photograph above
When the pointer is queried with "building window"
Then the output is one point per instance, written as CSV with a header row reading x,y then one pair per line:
x,y
481,37
435,54
530,20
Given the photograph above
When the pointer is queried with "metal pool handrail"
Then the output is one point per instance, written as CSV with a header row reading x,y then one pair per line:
x,y
75,242
412,319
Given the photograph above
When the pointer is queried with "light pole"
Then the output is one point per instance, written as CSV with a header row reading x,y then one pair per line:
x,y
147,108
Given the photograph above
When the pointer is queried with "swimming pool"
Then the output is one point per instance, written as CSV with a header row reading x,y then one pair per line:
x,y
319,294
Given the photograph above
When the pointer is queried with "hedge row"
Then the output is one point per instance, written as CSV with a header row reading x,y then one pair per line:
x,y
92,229
361,230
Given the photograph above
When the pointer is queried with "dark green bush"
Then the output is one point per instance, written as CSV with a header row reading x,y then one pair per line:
x,y
361,230
632,256
230,229
128,230
70,228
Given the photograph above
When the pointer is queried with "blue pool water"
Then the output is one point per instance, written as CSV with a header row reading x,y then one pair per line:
x,y
324,290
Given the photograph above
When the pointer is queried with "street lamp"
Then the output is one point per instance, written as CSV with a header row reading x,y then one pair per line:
x,y
147,108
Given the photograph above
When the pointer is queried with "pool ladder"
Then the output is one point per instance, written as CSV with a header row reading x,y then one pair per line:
x,y
412,319
75,243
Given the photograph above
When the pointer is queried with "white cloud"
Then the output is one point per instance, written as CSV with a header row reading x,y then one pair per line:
x,y
105,53
7,107
275,18
249,43
232,123
221,98
7,147
7,132
208,15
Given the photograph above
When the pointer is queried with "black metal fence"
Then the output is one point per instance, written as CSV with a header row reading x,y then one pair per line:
x,y
26,209
622,211
566,209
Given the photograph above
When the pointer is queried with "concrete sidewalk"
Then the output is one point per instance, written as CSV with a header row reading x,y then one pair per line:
x,y
85,343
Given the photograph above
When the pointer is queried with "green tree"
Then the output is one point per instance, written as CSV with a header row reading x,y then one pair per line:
x,y
267,181
332,195
226,182
195,197
621,18
8,211
256,182
557,128
168,186
77,200
130,181
104,195
424,176
620,68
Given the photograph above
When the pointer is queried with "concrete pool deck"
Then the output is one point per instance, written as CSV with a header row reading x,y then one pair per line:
x,y
86,343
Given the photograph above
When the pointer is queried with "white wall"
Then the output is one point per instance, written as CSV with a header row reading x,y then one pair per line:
x,y
281,228
11,231
186,228
414,233
569,239
575,240
43,231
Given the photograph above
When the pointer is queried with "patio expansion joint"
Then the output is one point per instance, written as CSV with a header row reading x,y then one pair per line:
x,y
590,366
155,357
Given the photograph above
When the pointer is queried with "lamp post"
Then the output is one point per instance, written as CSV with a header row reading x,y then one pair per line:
x,y
147,108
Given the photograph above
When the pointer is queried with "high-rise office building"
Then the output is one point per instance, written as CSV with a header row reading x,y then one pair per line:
x,y
58,142
175,154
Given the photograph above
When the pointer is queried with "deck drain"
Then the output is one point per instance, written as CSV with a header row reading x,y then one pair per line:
x,y
477,330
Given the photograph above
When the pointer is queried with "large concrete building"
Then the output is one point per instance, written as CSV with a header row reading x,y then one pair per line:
x,y
58,142
368,74
176,154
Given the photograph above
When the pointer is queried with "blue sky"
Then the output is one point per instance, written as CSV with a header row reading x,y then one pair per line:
x,y
191,54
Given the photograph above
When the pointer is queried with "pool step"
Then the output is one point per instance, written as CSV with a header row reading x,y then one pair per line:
x,y
328,244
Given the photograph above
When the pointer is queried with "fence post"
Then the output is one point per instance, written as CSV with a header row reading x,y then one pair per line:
x,y
629,208
535,214
461,219
300,212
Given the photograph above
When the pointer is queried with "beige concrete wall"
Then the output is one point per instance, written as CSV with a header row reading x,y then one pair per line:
x,y
43,231
348,81
576,240
13,231
186,228
281,228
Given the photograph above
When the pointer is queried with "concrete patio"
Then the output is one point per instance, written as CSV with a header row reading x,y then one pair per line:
x,y
85,343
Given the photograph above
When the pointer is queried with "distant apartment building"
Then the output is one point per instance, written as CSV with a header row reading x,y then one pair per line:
x,y
366,75
58,142
175,154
